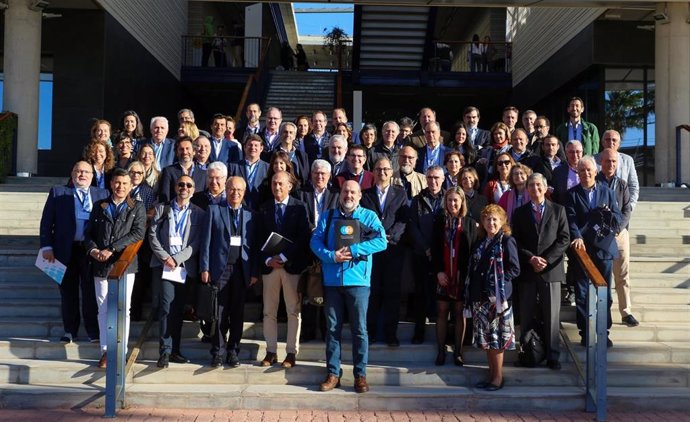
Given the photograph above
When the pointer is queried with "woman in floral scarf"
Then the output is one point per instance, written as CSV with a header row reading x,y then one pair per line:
x,y
453,234
494,263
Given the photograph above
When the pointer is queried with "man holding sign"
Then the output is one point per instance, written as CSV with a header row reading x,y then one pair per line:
x,y
174,236
347,279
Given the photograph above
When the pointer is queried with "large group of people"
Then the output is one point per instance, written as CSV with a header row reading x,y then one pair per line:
x,y
483,218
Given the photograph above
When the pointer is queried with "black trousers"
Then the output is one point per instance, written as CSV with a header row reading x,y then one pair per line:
x,y
540,307
231,297
385,292
171,303
79,278
424,292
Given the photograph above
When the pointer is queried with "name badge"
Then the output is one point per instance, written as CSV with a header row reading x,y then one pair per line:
x,y
176,241
83,215
235,240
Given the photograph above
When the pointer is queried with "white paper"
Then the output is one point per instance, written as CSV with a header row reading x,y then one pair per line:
x,y
55,270
178,275
235,241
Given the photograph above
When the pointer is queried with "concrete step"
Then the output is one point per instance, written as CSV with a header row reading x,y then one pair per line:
x,y
645,332
648,375
287,397
35,348
658,295
641,279
39,308
33,371
670,264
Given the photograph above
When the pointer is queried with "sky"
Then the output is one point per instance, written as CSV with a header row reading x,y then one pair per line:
x,y
314,23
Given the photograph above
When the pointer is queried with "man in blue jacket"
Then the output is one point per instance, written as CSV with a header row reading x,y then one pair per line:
x,y
346,279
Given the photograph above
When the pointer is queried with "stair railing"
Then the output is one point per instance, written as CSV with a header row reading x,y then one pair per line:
x,y
253,78
116,370
595,337
679,161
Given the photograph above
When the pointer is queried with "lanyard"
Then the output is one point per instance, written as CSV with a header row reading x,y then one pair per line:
x,y
251,173
180,224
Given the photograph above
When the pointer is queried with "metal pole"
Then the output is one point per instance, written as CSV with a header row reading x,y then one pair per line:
x,y
111,378
678,161
590,404
602,294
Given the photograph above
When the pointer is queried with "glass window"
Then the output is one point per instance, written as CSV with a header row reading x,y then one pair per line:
x,y
45,109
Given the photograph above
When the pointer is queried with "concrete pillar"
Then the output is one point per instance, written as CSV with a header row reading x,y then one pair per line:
x,y
672,73
22,64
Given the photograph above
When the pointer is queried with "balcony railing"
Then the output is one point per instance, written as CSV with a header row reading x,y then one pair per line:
x,y
455,56
223,51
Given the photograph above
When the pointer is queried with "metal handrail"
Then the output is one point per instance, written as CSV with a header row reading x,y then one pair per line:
x,y
254,77
116,371
596,365
503,50
197,50
678,160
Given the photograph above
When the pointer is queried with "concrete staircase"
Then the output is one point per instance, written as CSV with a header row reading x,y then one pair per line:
x,y
652,360
298,93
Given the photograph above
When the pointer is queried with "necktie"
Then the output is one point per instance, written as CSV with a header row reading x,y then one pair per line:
x,y
537,214
85,200
279,215
233,220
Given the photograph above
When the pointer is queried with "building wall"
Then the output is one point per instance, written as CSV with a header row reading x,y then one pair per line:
x,y
538,33
160,33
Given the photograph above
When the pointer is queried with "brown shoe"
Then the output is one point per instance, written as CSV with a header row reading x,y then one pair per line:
x,y
330,383
103,362
361,385
270,359
289,361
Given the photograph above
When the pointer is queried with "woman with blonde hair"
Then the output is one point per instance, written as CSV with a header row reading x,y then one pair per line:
x,y
147,157
494,264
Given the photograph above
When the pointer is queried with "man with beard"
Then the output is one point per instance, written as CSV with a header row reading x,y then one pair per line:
x,y
577,128
412,181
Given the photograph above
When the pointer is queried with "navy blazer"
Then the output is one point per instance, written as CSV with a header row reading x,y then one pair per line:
x,y
168,180
312,148
253,196
295,227
167,156
549,240
421,158
330,201
159,238
58,221
394,215
580,218
229,153
215,242
559,181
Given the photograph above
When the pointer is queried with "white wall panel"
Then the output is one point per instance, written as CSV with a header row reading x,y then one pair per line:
x,y
538,33
157,24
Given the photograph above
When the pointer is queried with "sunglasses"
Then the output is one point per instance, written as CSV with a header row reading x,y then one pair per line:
x,y
185,185
503,163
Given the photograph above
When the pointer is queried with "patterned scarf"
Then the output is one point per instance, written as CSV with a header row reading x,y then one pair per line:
x,y
494,286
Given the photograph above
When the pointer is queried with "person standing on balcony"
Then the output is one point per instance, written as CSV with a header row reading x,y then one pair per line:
x,y
475,54
577,128
219,44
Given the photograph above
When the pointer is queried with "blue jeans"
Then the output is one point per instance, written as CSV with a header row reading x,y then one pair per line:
x,y
356,300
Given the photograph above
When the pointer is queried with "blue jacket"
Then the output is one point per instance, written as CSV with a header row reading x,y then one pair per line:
x,y
358,271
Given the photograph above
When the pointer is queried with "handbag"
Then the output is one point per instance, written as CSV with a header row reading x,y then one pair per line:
x,y
311,284
207,304
532,351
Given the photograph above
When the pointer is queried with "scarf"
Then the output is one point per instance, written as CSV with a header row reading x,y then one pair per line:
x,y
494,283
451,249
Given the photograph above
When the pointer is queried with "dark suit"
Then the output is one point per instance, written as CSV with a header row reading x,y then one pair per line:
x,y
549,240
252,197
229,152
602,250
315,150
295,227
386,270
269,148
421,158
172,295
168,180
245,132
230,269
559,181
329,201
418,140
482,138
58,231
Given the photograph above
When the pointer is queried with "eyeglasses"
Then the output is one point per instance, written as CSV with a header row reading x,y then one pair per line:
x,y
136,173
185,185
503,163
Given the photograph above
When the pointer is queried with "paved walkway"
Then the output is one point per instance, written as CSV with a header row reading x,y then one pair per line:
x,y
217,415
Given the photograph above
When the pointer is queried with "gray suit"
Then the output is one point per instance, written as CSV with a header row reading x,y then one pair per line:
x,y
172,296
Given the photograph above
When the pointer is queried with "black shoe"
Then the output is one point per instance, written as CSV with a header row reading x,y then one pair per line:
x,y
582,341
178,358
553,364
418,337
206,339
393,342
440,357
482,384
67,338
163,361
494,387
232,359
609,343
217,361
630,321
458,360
